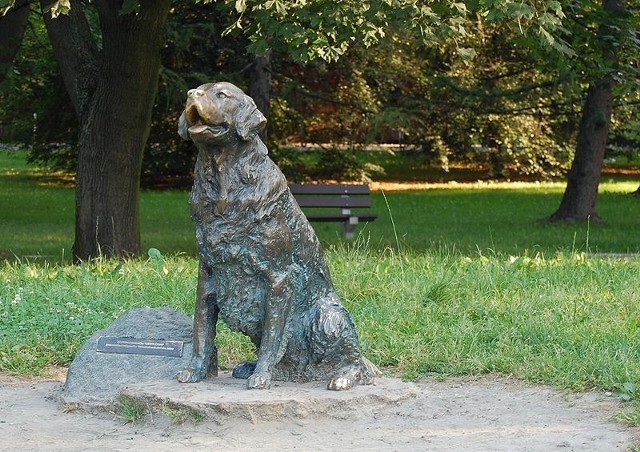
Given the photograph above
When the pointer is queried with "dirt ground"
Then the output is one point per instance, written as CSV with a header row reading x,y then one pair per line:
x,y
493,413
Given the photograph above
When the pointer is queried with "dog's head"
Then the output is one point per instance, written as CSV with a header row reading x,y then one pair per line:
x,y
218,112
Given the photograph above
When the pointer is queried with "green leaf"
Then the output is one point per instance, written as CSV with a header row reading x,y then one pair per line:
x,y
259,47
156,258
466,54
60,7
241,6
461,7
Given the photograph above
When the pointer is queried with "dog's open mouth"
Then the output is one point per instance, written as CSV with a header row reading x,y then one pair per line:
x,y
199,129
199,126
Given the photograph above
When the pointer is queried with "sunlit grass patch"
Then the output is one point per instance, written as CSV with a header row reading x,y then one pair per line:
x,y
38,218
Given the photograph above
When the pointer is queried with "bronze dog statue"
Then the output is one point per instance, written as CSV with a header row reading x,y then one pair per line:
x,y
261,265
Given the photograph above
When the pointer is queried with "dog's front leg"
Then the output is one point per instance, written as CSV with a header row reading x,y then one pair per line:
x,y
274,337
205,355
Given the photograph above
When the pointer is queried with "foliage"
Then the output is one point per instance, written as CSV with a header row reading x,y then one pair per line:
x,y
332,163
481,86
34,106
625,128
496,109
342,164
35,109
595,32
194,54
320,29
309,30
392,93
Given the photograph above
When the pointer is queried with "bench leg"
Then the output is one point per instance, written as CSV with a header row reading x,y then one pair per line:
x,y
349,228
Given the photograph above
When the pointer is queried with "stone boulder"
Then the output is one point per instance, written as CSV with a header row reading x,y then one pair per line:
x,y
97,378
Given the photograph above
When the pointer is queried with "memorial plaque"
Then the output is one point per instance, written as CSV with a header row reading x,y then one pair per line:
x,y
136,346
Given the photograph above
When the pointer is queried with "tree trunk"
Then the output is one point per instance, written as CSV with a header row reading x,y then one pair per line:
x,y
260,86
580,196
581,193
114,112
12,28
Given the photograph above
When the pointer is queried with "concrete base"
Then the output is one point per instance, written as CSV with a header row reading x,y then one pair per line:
x,y
224,398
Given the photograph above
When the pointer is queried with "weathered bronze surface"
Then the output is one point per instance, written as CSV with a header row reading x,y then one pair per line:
x,y
262,268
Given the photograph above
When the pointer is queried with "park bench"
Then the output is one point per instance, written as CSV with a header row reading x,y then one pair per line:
x,y
340,197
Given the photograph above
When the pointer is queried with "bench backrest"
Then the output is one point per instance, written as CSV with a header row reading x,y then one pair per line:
x,y
331,195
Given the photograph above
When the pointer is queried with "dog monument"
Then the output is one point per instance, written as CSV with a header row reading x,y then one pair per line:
x,y
262,268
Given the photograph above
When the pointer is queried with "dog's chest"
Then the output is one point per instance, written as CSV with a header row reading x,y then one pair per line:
x,y
227,223
240,191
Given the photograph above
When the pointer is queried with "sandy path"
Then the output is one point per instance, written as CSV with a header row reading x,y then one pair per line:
x,y
457,415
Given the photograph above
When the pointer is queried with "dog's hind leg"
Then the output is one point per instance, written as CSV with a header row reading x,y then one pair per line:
x,y
205,355
335,338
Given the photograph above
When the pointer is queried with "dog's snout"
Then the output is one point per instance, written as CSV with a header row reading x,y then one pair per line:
x,y
195,93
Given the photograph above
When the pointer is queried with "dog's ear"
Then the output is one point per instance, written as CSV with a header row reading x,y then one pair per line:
x,y
249,120
183,127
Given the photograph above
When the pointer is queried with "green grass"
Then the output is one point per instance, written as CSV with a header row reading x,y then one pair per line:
x,y
467,282
507,219
569,320
47,311
36,211
37,215
129,410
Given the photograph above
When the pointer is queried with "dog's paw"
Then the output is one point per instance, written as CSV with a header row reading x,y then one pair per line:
x,y
199,368
192,374
340,384
189,375
345,378
259,381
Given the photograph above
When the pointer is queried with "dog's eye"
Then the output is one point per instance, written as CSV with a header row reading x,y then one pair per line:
x,y
222,94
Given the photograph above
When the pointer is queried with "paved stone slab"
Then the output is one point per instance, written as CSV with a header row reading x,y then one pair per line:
x,y
223,398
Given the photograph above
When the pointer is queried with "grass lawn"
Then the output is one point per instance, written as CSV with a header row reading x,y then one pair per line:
x,y
36,218
450,280
570,321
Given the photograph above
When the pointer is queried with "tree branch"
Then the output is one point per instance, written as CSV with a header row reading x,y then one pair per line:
x,y
12,28
76,52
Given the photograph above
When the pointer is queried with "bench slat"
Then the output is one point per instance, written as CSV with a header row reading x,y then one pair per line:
x,y
344,196
329,189
333,201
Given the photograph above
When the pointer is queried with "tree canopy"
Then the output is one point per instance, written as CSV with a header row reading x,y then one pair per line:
x,y
479,79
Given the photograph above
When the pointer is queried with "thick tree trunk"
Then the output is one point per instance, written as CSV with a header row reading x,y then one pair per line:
x,y
114,111
12,28
580,196
260,86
